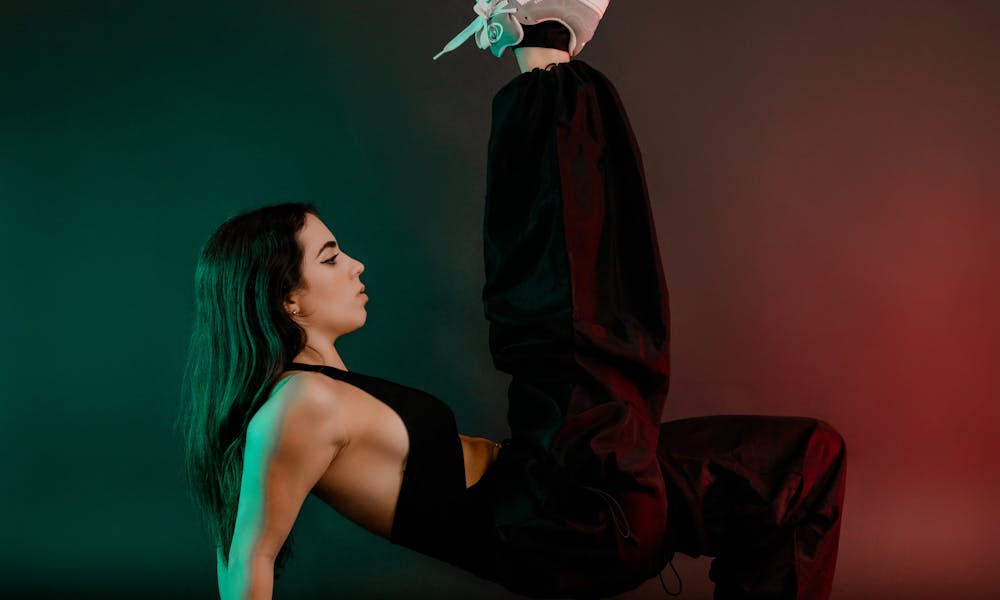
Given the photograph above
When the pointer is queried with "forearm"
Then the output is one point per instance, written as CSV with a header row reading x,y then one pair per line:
x,y
247,580
478,453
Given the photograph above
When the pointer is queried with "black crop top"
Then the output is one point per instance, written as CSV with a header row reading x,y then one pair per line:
x,y
435,514
433,487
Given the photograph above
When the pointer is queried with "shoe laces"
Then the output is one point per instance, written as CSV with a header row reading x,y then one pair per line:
x,y
486,33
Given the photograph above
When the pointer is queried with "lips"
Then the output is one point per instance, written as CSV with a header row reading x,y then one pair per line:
x,y
362,290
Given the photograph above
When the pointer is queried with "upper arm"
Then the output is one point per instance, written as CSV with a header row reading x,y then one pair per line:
x,y
290,444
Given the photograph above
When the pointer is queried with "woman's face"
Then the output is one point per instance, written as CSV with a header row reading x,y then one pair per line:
x,y
329,299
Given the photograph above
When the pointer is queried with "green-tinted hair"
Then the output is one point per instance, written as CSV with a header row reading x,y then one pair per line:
x,y
240,343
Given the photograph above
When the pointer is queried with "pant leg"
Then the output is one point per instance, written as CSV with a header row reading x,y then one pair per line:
x,y
577,307
763,495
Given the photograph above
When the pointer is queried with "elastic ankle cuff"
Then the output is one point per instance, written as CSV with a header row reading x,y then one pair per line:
x,y
547,34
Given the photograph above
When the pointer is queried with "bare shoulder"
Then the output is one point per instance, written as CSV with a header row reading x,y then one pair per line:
x,y
304,409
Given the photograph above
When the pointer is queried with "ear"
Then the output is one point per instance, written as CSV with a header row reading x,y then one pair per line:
x,y
291,304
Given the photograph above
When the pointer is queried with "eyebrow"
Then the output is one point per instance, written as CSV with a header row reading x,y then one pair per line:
x,y
330,244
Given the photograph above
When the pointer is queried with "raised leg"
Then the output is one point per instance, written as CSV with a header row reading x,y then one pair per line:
x,y
578,311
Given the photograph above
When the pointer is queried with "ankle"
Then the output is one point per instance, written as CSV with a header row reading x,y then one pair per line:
x,y
538,58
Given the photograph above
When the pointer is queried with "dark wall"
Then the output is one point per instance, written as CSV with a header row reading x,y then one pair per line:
x,y
823,177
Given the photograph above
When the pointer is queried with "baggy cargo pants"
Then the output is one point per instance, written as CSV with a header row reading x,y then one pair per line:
x,y
578,315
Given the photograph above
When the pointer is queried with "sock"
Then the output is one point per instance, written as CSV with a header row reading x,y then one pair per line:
x,y
547,34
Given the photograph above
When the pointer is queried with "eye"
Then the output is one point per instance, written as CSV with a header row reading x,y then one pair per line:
x,y
332,260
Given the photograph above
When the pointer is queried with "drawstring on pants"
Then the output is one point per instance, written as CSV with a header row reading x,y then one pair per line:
x,y
628,531
680,584
614,515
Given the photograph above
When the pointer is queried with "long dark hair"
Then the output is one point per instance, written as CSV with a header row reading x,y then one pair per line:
x,y
240,343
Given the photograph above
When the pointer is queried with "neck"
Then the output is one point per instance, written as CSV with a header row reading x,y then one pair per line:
x,y
320,354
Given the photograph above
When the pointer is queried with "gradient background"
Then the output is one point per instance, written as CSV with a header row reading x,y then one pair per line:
x,y
825,183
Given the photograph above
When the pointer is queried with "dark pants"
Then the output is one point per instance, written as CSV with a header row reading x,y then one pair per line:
x,y
761,494
578,310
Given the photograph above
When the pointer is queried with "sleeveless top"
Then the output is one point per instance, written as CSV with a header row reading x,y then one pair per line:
x,y
474,529
434,515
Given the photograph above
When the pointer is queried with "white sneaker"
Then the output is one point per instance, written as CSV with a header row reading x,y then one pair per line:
x,y
498,24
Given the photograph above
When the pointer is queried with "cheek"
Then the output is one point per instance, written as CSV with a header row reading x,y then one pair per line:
x,y
336,289
344,289
325,288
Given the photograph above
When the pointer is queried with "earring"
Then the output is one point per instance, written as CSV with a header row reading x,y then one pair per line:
x,y
295,312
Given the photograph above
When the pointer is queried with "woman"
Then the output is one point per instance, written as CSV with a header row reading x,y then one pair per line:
x,y
275,288
575,502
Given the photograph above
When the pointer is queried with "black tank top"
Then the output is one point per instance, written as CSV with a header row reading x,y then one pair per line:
x,y
434,475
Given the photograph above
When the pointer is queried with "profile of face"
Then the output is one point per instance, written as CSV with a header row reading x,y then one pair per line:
x,y
329,301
